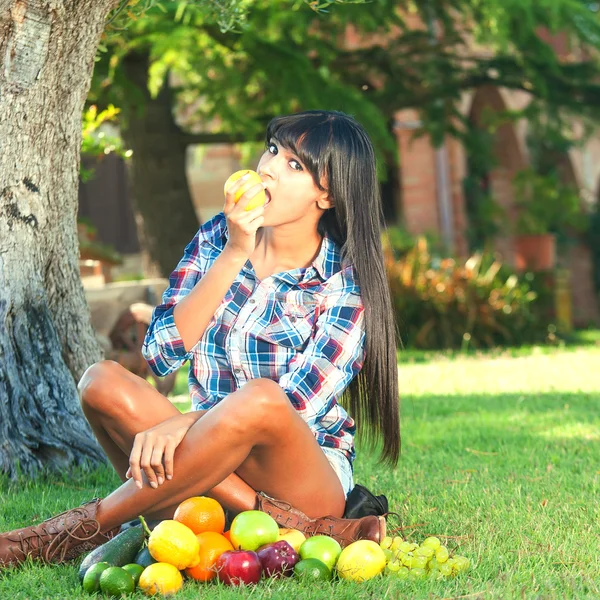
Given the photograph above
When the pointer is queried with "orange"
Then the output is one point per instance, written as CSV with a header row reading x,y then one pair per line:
x,y
227,534
201,514
212,545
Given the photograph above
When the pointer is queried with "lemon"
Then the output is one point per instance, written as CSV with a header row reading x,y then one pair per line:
x,y
116,582
174,543
259,199
360,561
160,578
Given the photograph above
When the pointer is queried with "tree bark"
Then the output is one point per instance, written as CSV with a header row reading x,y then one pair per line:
x,y
160,188
47,51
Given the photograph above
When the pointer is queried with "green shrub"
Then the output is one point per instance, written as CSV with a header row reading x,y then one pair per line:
x,y
442,303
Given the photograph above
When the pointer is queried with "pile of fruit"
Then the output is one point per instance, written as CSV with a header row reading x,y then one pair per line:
x,y
195,546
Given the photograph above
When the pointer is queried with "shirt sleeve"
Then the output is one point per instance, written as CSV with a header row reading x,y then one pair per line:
x,y
318,376
163,347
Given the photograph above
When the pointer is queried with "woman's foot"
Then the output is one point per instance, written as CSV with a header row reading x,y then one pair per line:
x,y
345,531
58,539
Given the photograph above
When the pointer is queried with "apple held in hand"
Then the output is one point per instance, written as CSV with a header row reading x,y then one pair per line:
x,y
238,567
252,529
253,179
278,559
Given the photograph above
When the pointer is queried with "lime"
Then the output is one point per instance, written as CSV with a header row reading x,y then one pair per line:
x,y
91,580
144,558
115,582
312,569
134,570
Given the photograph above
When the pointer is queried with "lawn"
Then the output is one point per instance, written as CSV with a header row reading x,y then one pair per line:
x,y
501,459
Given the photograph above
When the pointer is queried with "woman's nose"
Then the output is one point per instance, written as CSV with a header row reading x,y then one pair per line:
x,y
267,167
265,171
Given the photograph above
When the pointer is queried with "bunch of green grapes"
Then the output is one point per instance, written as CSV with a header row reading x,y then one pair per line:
x,y
430,560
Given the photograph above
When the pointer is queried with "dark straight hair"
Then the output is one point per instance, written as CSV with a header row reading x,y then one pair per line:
x,y
334,147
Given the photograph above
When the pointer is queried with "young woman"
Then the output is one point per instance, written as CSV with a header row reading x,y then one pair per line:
x,y
281,310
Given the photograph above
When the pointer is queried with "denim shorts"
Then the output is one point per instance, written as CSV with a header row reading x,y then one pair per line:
x,y
341,465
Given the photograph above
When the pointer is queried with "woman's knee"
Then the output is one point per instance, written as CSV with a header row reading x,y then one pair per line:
x,y
263,403
98,382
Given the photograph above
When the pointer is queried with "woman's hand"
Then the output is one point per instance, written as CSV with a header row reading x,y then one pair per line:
x,y
242,225
153,450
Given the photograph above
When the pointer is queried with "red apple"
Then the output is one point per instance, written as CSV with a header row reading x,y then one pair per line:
x,y
238,567
278,559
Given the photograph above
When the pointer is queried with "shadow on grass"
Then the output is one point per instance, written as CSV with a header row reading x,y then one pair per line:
x,y
574,405
446,437
588,338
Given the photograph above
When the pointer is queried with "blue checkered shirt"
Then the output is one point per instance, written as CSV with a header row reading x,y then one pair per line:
x,y
303,329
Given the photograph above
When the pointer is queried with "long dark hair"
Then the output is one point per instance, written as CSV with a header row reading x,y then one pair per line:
x,y
333,145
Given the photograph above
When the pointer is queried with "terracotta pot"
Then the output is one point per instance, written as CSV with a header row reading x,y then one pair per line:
x,y
535,252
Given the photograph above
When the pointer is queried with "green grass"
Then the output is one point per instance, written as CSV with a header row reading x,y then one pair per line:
x,y
501,458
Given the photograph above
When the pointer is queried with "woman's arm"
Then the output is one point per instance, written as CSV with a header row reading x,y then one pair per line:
x,y
153,450
199,284
193,314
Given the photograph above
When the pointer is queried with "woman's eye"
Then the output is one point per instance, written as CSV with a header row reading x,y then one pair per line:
x,y
295,165
272,148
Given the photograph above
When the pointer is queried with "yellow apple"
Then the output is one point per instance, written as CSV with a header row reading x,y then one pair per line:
x,y
253,178
293,537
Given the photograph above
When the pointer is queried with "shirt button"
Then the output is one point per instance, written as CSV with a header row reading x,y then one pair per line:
x,y
252,301
237,371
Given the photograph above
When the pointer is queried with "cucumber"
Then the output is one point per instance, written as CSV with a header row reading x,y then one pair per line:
x,y
119,551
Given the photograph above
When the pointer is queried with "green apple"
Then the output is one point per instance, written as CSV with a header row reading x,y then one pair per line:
x,y
322,548
251,529
293,537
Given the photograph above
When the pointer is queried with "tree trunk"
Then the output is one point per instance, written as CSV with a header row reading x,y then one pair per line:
x,y
160,187
46,341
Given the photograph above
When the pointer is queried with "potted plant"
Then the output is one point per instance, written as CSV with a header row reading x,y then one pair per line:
x,y
547,208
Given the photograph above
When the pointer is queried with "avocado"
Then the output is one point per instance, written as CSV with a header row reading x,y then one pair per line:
x,y
144,558
117,552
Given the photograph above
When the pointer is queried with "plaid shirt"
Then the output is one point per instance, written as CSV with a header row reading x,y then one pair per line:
x,y
303,329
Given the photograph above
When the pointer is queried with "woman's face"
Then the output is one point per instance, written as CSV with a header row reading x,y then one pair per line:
x,y
291,191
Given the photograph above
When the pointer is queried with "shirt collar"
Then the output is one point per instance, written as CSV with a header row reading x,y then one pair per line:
x,y
327,262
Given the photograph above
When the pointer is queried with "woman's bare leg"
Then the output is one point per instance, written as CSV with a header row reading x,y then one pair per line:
x,y
118,405
254,432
